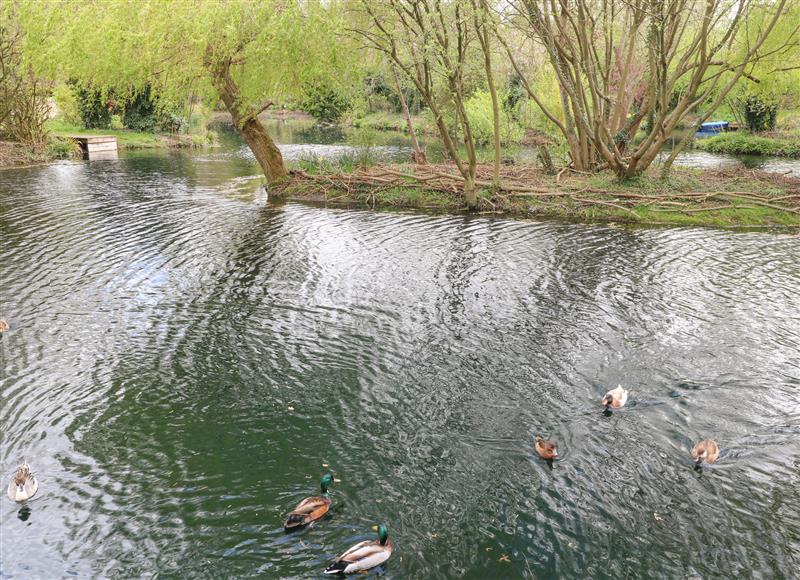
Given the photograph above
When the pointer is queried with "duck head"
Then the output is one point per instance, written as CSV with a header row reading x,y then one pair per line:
x,y
383,534
326,482
608,400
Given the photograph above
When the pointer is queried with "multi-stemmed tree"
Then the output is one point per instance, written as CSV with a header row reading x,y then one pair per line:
x,y
624,64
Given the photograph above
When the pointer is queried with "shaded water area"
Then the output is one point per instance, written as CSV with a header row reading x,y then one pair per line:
x,y
185,361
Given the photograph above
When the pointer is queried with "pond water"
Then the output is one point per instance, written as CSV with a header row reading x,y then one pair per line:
x,y
185,361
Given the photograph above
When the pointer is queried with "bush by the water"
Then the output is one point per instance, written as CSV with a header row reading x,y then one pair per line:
x,y
743,143
145,112
94,108
140,112
325,103
760,113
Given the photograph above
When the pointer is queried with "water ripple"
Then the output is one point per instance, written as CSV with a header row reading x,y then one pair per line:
x,y
184,362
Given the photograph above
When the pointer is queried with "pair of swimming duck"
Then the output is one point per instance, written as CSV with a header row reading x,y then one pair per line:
x,y
706,451
359,558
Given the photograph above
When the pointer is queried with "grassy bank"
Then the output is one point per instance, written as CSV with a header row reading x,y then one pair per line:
x,y
384,121
744,143
127,139
692,197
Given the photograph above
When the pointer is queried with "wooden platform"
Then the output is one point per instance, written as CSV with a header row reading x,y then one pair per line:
x,y
96,144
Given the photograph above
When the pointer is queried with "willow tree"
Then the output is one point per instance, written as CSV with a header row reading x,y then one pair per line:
x,y
10,59
621,62
431,43
775,78
247,54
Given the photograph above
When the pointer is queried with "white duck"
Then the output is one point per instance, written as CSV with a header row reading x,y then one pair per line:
x,y
615,398
23,485
364,555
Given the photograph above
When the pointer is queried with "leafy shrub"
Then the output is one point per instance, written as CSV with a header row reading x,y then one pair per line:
x,y
146,113
760,113
26,122
59,148
481,120
94,108
325,103
140,112
515,95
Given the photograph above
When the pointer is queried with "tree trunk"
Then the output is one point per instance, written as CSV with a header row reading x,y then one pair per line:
x,y
470,192
481,26
247,123
418,156
546,160
264,149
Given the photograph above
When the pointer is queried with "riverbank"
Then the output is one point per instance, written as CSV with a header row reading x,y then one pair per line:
x,y
13,154
721,198
776,144
128,139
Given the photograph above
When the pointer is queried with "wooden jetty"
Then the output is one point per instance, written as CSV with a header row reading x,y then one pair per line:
x,y
97,146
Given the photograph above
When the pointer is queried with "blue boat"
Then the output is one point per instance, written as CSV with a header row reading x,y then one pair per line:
x,y
712,128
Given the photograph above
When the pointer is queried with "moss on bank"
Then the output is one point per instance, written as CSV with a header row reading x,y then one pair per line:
x,y
709,198
744,143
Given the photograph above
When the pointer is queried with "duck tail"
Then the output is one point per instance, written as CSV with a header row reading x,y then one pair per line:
x,y
336,567
294,521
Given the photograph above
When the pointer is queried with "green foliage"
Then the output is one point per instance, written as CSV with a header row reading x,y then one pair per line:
x,y
140,111
345,163
481,120
385,122
515,95
743,143
789,120
67,103
325,102
759,112
93,107
382,95
279,48
58,148
364,140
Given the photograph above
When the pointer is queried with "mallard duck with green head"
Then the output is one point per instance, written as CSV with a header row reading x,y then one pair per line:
x,y
312,508
364,555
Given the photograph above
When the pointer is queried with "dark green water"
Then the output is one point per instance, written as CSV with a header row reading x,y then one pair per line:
x,y
165,319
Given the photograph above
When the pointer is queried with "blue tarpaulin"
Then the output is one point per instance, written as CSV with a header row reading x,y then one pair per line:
x,y
714,127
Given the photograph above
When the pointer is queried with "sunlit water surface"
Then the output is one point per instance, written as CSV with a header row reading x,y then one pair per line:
x,y
186,360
